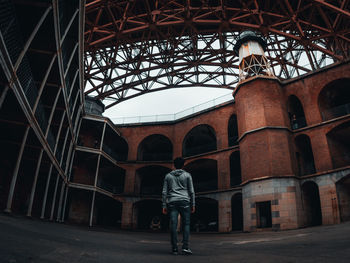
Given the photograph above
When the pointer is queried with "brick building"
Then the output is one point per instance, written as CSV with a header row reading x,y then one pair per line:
x,y
277,157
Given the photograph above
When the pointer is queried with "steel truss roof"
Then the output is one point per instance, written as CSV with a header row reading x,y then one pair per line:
x,y
139,46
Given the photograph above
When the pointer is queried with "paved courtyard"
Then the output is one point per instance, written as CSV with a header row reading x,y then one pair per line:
x,y
25,240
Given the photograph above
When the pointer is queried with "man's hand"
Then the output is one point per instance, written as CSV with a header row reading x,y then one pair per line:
x,y
193,209
165,211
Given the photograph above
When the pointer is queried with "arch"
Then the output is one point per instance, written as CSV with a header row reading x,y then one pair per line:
x,y
206,216
237,211
155,147
149,179
339,145
232,130
204,174
334,99
311,204
296,113
343,193
200,139
235,169
146,210
108,211
304,155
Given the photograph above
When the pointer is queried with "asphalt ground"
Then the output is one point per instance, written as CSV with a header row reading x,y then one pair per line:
x,y
28,240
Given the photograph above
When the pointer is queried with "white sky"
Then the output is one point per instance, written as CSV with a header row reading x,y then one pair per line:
x,y
164,102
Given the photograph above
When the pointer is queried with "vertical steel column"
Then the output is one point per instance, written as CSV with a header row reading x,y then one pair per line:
x,y
99,155
63,188
3,95
31,199
45,194
15,172
52,113
54,197
92,208
65,203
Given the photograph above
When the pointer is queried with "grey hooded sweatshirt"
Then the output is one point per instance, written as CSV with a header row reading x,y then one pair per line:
x,y
178,186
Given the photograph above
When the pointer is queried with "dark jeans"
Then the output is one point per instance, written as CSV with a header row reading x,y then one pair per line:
x,y
184,208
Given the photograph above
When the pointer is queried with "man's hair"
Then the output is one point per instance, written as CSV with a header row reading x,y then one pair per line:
x,y
179,162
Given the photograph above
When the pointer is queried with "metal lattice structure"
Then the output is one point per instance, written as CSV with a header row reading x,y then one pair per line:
x,y
138,46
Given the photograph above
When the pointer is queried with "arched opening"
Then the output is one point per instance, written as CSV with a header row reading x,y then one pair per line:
x,y
296,113
311,204
232,131
108,211
110,177
237,212
343,192
334,99
149,180
200,139
155,147
114,145
339,145
204,174
206,216
304,155
148,211
235,169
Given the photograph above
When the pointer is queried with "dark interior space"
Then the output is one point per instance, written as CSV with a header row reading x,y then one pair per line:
x,y
108,211
233,131
296,113
304,155
146,211
200,139
237,212
311,204
155,147
111,177
343,192
84,168
150,180
115,145
263,214
206,216
204,174
235,169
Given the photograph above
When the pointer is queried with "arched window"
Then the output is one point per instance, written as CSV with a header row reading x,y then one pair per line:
x,y
311,204
296,113
235,169
155,147
232,131
200,139
339,145
334,99
204,174
304,155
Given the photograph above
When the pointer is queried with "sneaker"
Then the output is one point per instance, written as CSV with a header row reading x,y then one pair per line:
x,y
186,251
175,251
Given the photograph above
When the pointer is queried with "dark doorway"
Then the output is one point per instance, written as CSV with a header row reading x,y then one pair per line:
x,y
108,211
312,204
343,192
237,212
232,131
296,113
147,211
206,216
263,214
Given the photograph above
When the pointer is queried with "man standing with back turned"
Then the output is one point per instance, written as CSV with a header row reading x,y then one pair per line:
x,y
178,197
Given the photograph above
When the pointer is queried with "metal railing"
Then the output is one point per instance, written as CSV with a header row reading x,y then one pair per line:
x,y
176,116
115,155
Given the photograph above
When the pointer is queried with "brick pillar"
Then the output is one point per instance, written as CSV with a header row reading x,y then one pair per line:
x,y
225,218
263,122
329,204
224,173
127,215
320,149
130,177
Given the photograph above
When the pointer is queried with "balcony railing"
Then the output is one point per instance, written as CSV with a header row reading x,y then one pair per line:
x,y
115,155
335,112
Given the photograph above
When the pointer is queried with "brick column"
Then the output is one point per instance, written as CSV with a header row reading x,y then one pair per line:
x,y
329,204
130,177
127,215
224,173
225,218
320,149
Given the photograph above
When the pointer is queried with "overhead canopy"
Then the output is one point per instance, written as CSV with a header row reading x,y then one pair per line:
x,y
133,47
